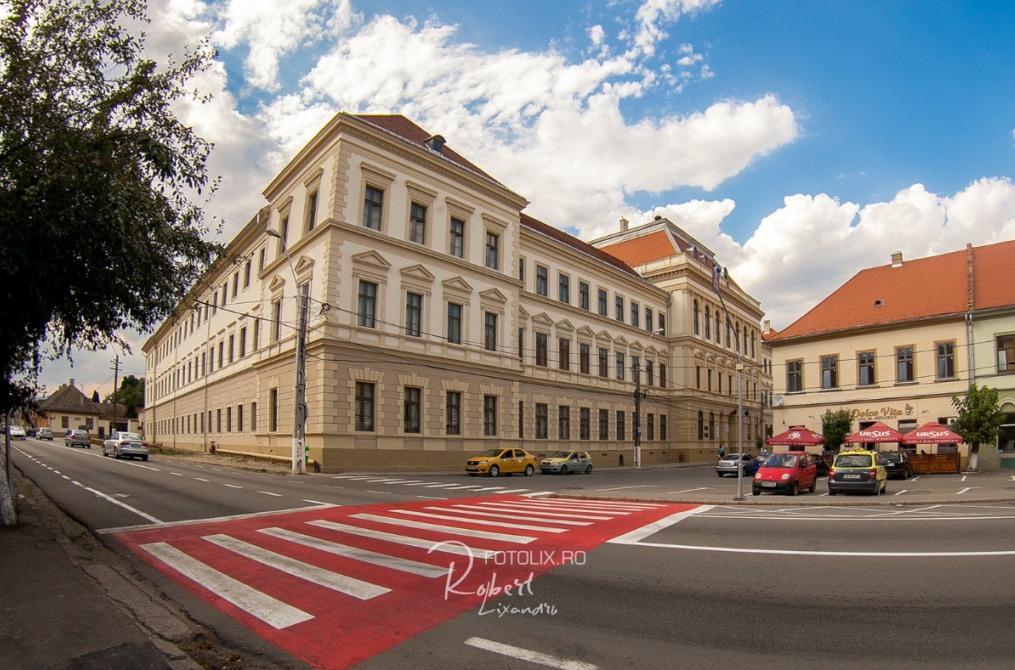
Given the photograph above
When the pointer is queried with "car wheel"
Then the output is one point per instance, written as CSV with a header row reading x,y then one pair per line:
x,y
116,454
756,492
494,471
104,452
814,485
563,469
144,458
794,490
588,469
720,475
832,492
529,470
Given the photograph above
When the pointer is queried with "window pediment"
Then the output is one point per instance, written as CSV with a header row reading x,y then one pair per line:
x,y
277,282
493,295
587,332
565,326
371,259
304,264
418,273
542,319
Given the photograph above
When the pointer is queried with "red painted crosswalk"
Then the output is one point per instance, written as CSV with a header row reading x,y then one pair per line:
x,y
335,586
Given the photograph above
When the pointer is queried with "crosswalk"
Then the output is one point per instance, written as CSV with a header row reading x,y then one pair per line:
x,y
442,486
366,578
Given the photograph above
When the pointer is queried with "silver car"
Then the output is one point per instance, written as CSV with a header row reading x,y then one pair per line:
x,y
121,444
728,464
77,438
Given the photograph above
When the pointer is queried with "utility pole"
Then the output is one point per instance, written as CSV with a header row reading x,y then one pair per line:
x,y
116,387
299,393
638,395
716,284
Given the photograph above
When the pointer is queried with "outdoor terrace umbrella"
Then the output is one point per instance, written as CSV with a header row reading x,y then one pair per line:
x,y
931,433
796,436
879,433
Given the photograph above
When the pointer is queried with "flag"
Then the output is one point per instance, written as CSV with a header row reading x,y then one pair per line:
x,y
715,278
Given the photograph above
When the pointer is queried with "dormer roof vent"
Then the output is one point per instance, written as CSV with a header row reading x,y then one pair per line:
x,y
435,143
879,303
897,259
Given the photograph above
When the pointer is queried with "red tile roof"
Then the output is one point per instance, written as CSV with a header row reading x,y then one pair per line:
x,y
70,400
406,129
922,288
643,249
575,243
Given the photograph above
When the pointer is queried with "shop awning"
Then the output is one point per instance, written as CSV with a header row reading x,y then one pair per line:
x,y
796,436
932,433
879,433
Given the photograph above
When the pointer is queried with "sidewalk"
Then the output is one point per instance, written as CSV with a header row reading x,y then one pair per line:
x,y
57,609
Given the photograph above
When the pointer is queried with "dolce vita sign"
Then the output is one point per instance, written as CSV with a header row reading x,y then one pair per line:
x,y
881,413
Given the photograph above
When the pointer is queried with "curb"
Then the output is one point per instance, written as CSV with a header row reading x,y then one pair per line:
x,y
785,501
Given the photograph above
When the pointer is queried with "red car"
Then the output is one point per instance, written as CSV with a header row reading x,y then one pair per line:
x,y
787,471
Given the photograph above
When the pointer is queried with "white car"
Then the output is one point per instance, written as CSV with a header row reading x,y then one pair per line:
x,y
121,444
18,433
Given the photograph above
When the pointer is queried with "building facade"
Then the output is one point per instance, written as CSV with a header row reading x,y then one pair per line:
x,y
896,343
443,321
67,409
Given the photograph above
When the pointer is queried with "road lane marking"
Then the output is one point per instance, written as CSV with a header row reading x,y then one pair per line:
x,y
915,478
701,488
113,500
501,488
506,515
638,534
606,503
497,507
640,486
456,548
515,491
901,492
453,530
963,478
355,553
269,493
233,486
441,486
421,484
383,493
350,586
192,522
479,522
275,613
200,479
528,655
318,502
176,474
538,494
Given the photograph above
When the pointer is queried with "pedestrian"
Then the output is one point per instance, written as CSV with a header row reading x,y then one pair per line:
x,y
722,451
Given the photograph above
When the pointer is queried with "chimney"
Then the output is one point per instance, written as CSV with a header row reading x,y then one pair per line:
x,y
897,259
435,143
768,326
623,224
71,383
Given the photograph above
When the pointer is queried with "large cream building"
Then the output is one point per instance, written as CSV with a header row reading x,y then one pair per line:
x,y
897,342
444,321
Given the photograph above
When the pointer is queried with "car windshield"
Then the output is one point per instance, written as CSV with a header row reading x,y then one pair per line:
x,y
891,458
130,436
560,454
491,453
782,461
853,461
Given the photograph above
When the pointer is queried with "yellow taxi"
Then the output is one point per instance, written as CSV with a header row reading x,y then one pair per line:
x,y
857,470
495,462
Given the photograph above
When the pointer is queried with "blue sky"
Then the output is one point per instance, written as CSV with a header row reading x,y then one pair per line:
x,y
781,133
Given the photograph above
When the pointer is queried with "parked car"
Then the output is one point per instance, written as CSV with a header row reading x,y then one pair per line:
x,y
857,470
788,471
120,445
563,462
45,434
77,438
821,464
30,431
728,464
17,433
897,464
493,462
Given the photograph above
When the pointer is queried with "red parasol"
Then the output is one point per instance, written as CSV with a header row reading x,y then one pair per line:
x,y
878,432
931,433
796,436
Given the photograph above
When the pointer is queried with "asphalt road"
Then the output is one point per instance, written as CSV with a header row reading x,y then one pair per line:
x,y
712,587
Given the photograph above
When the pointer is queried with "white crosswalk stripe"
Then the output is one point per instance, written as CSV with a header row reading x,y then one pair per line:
x,y
538,512
482,522
449,548
507,515
453,530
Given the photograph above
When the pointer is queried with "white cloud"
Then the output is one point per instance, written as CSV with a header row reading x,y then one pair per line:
x,y
653,13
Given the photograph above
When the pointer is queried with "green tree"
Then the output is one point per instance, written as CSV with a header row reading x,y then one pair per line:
x,y
835,427
96,174
979,419
130,395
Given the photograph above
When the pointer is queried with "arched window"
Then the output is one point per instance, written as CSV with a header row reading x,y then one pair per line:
x,y
708,320
745,340
754,336
718,334
727,333
697,330
701,425
711,425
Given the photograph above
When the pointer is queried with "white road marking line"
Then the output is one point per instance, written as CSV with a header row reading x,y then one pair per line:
x,y
453,530
528,503
701,488
480,522
900,492
915,478
55,472
528,655
505,515
604,503
65,477
857,554
963,491
472,486
382,479
269,493
507,507
318,502
335,581
509,491
383,493
358,479
138,465
447,547
113,500
275,613
441,486
200,480
460,486
1013,478
621,488
963,478
383,560
823,494
538,494
638,534
233,486
176,474
430,497
421,484
501,488
194,522
405,481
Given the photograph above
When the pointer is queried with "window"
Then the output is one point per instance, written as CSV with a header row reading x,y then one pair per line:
x,y
602,302
696,327
521,271
311,211
490,415
417,224
542,279
1005,353
413,314
636,369
364,406
865,368
794,376
243,342
697,376
456,246
453,413
272,411
662,325
283,231
256,334
541,346
945,360
492,251
232,347
239,418
521,344
563,422
662,427
222,351
584,423
718,337
620,308
604,424
542,421
367,312
584,353
708,320
662,375
260,266
621,427
604,357
649,373
236,284
648,320
454,323
490,332
410,415
650,425
373,206
564,353
583,296
253,416
229,419
904,364
521,419
635,316
711,425
564,288
620,366
829,372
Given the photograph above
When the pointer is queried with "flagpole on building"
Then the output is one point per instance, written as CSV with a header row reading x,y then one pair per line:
x,y
740,384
